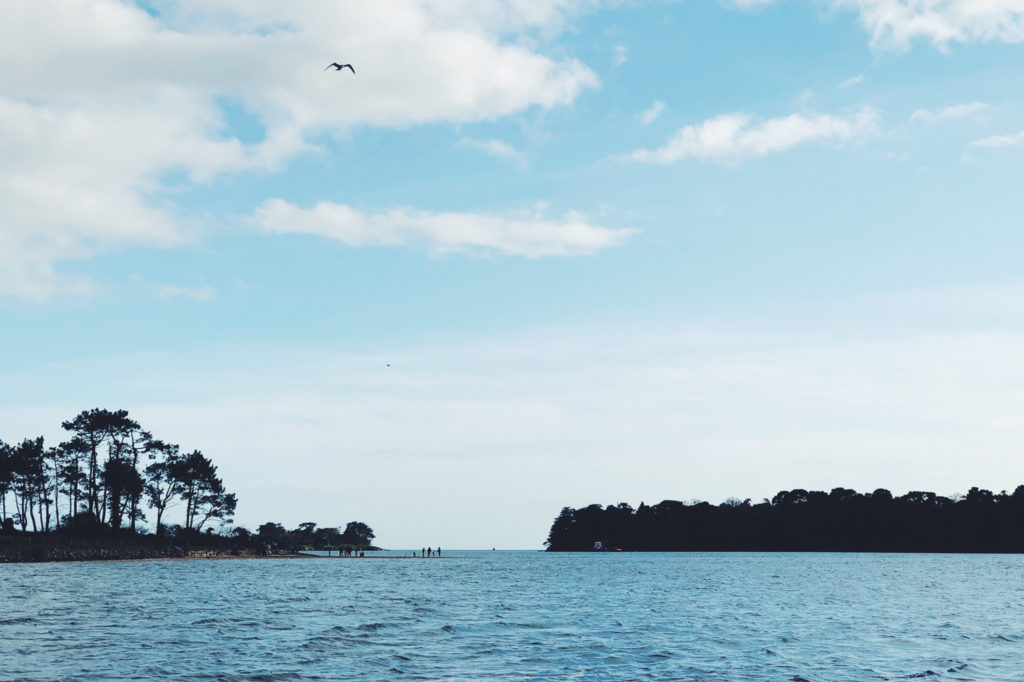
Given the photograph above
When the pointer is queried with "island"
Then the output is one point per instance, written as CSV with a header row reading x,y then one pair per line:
x,y
842,520
88,497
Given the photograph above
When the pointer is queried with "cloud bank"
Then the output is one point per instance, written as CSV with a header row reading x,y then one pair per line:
x,y
102,101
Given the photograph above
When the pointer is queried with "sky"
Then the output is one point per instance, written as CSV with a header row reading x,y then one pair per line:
x,y
531,254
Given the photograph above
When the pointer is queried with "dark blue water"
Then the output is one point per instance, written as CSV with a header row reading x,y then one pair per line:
x,y
524,615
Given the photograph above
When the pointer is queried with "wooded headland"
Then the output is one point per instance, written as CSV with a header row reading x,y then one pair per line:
x,y
91,496
842,520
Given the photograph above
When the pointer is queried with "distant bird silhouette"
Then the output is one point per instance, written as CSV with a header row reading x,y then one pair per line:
x,y
339,67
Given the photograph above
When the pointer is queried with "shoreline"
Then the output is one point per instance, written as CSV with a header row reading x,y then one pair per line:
x,y
219,557
188,555
56,548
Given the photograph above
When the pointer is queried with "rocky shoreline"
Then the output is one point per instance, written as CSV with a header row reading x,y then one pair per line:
x,y
35,553
105,553
55,548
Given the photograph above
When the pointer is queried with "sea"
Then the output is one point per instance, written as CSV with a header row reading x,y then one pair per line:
x,y
494,615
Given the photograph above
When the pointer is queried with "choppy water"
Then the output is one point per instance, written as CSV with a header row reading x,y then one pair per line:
x,y
523,615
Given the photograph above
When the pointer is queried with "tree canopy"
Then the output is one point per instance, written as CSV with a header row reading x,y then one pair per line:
x,y
104,475
111,473
802,520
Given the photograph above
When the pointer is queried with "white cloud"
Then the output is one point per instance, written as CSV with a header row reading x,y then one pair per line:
x,y
895,23
620,55
499,149
652,113
998,141
72,184
949,113
528,234
850,82
101,101
731,138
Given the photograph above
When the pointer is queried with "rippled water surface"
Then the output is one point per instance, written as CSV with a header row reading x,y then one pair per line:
x,y
524,615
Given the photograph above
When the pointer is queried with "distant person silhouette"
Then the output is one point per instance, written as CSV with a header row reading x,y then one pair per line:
x,y
439,552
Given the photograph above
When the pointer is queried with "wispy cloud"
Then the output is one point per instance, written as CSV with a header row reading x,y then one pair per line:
x,y
651,114
750,4
176,291
895,23
949,113
732,138
850,82
528,234
620,55
499,149
998,141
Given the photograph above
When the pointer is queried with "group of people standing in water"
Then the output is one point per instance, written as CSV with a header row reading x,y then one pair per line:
x,y
428,552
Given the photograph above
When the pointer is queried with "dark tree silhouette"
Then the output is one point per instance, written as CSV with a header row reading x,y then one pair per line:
x,y
29,482
129,443
203,491
163,478
307,535
123,484
71,475
324,538
303,535
104,475
357,534
272,533
6,476
57,456
802,520
98,475
91,428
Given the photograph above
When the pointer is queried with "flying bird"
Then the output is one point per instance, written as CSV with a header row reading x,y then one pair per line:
x,y
339,67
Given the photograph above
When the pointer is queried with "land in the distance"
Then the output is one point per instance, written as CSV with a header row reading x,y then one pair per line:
x,y
72,543
88,498
842,520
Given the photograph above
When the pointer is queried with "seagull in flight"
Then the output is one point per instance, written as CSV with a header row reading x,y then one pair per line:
x,y
339,67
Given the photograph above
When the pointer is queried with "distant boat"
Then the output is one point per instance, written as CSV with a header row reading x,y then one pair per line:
x,y
598,546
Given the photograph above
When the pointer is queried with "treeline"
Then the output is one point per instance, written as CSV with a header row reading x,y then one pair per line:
x,y
357,535
842,520
107,474
88,496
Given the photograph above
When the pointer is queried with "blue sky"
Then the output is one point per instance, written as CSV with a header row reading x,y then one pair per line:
x,y
611,251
